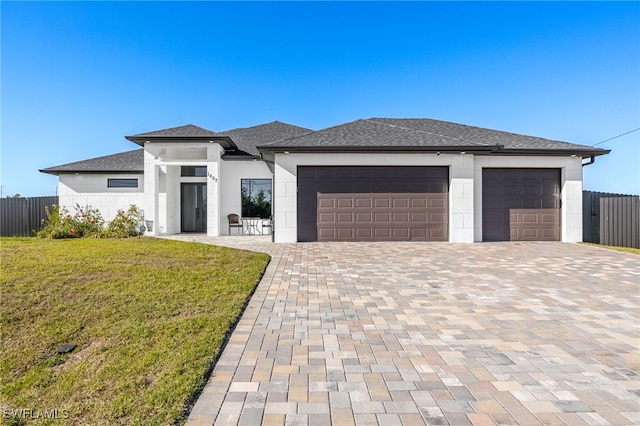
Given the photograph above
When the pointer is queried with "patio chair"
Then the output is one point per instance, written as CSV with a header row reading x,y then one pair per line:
x,y
266,223
234,222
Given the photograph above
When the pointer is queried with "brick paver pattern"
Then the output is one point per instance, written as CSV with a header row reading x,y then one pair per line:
x,y
432,333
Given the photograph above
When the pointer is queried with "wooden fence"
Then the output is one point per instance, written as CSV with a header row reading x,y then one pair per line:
x,y
23,216
611,219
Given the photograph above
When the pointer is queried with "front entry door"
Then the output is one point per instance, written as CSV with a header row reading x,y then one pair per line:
x,y
194,207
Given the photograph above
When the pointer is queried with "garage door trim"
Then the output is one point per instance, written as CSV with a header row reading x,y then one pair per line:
x,y
373,203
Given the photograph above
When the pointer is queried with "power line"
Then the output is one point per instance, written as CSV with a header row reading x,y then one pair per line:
x,y
616,137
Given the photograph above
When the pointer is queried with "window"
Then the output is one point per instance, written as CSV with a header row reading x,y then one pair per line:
x,y
122,183
256,198
193,171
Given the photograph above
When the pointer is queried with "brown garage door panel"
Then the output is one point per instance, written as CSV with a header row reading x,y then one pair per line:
x,y
521,204
393,218
372,203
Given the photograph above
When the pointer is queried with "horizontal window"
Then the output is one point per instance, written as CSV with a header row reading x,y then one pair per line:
x,y
193,171
122,183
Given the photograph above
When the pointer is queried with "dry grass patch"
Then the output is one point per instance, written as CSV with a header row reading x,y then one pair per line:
x,y
624,249
149,317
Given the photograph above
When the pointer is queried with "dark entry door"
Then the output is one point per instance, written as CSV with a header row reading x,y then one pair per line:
x,y
194,207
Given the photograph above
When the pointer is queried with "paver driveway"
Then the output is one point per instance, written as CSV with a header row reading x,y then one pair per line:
x,y
432,333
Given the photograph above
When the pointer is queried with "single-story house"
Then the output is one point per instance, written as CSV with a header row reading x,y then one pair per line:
x,y
375,179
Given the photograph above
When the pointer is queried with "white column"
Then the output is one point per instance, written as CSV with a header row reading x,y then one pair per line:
x,y
214,151
172,185
571,211
285,198
151,188
461,199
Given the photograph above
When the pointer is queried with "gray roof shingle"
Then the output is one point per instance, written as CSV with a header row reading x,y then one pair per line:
x,y
370,134
248,138
410,134
188,131
124,162
480,135
423,134
245,139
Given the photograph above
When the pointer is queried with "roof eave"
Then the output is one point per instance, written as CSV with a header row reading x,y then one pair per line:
x,y
556,152
72,172
355,148
236,157
480,150
225,141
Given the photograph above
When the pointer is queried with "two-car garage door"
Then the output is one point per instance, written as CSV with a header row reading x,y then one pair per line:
x,y
373,203
394,203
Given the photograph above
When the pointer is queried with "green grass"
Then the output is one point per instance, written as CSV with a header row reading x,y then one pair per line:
x,y
625,249
149,317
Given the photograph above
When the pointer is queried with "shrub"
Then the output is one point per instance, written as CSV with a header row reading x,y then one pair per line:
x,y
87,222
126,224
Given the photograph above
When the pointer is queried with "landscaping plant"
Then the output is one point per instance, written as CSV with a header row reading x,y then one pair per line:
x,y
87,222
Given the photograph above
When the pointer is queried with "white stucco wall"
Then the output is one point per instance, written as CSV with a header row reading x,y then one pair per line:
x,y
232,172
91,190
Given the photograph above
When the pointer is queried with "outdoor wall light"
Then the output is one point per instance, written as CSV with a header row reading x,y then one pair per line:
x,y
463,152
438,153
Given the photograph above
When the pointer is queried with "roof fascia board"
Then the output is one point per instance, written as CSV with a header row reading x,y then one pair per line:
x,y
91,172
225,141
364,149
555,152
488,150
231,157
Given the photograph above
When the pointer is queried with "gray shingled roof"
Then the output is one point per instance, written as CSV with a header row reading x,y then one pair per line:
x,y
369,134
189,131
480,135
125,162
411,134
423,134
248,138
245,139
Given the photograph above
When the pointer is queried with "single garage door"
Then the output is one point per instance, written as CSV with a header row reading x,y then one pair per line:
x,y
373,203
521,204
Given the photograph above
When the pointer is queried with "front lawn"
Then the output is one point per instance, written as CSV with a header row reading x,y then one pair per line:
x,y
148,317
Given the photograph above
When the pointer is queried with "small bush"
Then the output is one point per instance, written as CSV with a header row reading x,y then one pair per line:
x,y
87,222
126,224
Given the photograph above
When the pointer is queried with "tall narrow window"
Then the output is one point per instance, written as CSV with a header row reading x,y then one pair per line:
x,y
122,183
256,198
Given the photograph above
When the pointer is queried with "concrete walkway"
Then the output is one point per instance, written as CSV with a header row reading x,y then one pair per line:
x,y
432,333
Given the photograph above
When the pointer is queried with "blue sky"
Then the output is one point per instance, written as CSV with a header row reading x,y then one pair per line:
x,y
79,76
